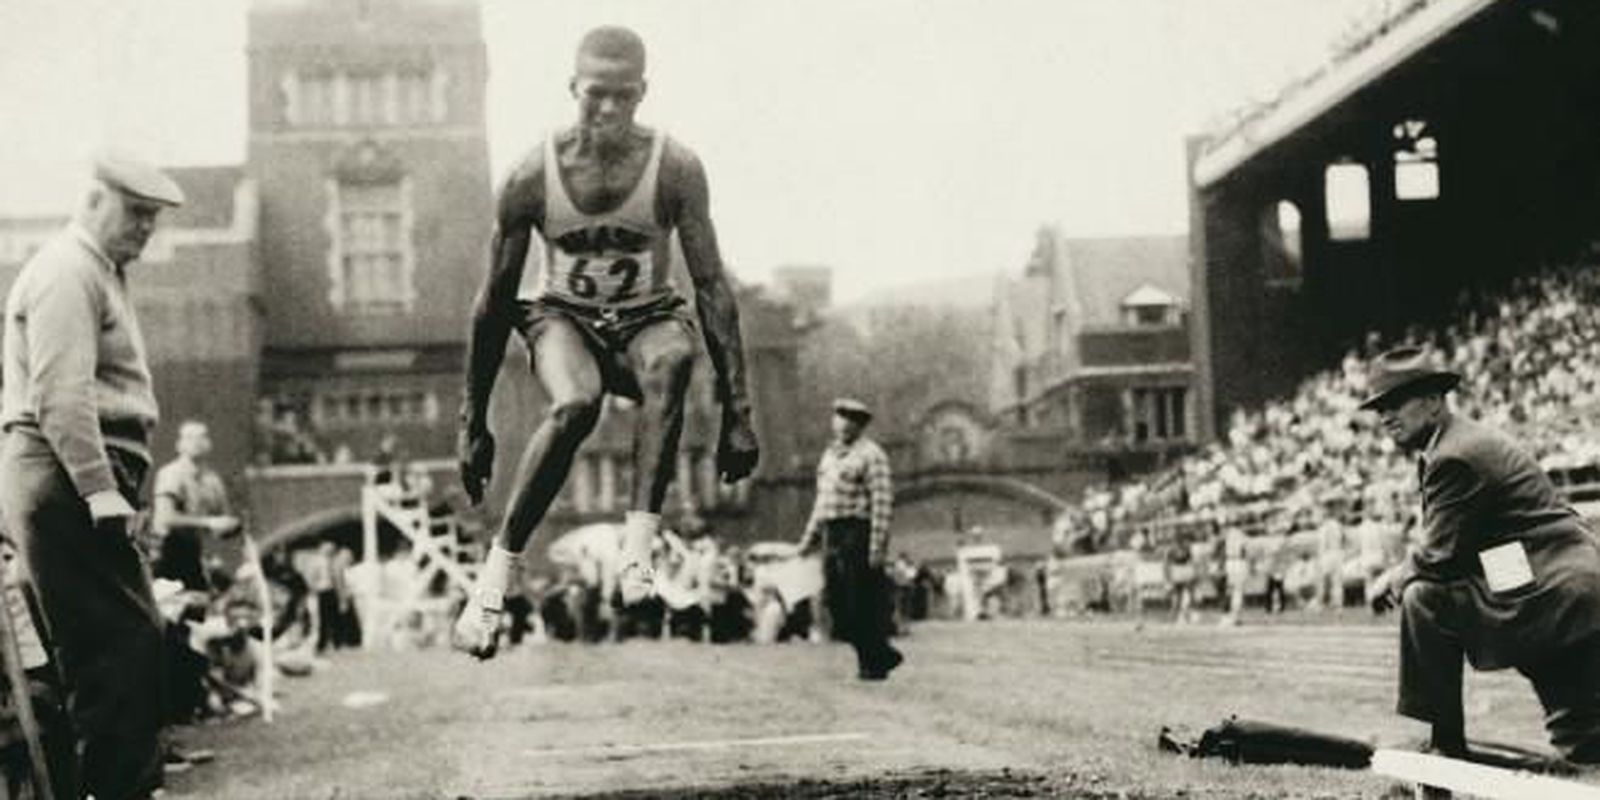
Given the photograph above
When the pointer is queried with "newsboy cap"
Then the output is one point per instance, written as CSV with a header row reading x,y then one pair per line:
x,y
131,175
1405,372
851,407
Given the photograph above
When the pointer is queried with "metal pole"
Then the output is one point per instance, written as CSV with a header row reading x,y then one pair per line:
x,y
265,674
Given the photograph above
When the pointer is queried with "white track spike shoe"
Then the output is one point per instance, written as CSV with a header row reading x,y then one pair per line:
x,y
477,630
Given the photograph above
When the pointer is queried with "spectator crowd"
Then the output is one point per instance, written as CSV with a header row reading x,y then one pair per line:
x,y
1307,489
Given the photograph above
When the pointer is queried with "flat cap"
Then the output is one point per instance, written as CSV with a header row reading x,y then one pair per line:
x,y
851,407
131,175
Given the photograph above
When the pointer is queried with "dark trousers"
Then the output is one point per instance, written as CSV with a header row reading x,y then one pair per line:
x,y
1431,658
178,559
94,590
856,593
330,617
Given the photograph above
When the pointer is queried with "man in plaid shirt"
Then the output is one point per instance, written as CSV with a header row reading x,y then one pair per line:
x,y
854,504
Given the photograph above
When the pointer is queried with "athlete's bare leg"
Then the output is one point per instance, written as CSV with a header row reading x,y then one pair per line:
x,y
662,357
571,382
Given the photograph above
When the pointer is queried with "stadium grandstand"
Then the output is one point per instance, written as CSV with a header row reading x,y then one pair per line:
x,y
1436,183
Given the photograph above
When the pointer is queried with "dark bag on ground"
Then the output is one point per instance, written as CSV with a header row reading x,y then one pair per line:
x,y
1246,741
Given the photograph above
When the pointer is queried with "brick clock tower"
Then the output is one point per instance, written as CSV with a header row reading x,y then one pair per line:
x,y
367,143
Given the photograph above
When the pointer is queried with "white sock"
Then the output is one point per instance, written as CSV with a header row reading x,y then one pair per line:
x,y
496,575
639,529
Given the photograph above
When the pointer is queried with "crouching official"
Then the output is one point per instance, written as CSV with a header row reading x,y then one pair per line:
x,y
78,408
853,507
1506,575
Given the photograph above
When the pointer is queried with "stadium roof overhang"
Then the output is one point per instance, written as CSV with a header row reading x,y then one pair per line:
x,y
1411,36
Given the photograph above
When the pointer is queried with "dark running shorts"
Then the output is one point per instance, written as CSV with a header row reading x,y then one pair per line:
x,y
605,332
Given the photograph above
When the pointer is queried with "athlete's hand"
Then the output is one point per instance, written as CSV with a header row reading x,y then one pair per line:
x,y
475,449
1382,589
737,449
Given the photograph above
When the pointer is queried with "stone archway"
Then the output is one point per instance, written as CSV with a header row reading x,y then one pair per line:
x,y
1013,488
311,526
930,509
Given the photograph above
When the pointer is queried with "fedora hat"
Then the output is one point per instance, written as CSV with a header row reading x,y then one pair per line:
x,y
1405,372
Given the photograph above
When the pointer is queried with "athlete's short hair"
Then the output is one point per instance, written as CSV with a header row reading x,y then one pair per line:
x,y
613,43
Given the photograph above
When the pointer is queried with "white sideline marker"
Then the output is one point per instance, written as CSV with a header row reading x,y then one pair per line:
x,y
1479,780
707,744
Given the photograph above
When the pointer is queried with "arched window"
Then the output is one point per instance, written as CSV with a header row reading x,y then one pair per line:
x,y
1281,254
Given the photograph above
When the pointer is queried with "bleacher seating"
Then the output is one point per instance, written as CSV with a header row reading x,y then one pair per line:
x,y
1530,358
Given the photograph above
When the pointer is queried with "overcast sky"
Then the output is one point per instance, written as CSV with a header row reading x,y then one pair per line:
x,y
895,140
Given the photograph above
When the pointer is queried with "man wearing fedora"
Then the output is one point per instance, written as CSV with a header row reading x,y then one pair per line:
x,y
854,504
78,408
1506,573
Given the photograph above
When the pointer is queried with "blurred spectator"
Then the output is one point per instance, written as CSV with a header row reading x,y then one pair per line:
x,y
903,572
386,463
1532,352
347,624
317,566
190,504
1181,577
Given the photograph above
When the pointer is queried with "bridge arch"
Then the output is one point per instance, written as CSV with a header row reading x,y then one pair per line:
x,y
310,526
1013,489
931,511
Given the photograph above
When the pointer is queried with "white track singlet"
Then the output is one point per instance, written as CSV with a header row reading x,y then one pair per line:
x,y
616,259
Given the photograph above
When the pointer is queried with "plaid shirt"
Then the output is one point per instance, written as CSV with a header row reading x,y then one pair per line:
x,y
853,483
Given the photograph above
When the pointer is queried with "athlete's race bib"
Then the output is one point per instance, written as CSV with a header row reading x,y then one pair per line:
x,y
601,280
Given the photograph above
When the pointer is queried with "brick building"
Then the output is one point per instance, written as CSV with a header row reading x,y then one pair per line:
x,y
315,298
1092,340
367,142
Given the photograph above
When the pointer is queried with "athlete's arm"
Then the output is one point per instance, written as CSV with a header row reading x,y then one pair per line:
x,y
690,210
520,206
164,516
495,307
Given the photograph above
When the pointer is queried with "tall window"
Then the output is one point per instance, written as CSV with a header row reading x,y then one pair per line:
x,y
367,99
1349,200
1159,414
373,96
374,406
373,258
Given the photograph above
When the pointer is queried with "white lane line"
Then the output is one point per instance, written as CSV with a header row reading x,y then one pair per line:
x,y
615,750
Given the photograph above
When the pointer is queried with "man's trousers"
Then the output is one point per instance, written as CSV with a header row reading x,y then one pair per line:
x,y
857,602
94,589
1431,657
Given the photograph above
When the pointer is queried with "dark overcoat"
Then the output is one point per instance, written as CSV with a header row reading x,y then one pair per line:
x,y
1480,490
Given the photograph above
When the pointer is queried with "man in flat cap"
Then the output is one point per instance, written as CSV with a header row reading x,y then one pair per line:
x,y
855,500
1506,574
78,407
